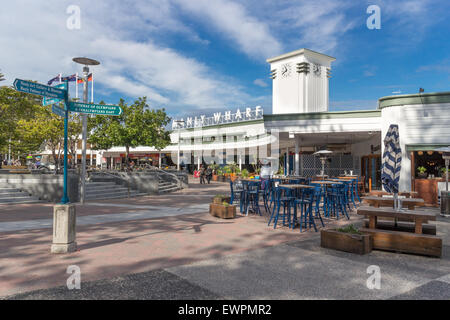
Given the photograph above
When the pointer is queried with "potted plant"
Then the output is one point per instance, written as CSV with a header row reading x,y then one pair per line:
x,y
220,198
348,239
222,209
443,171
214,168
244,173
421,172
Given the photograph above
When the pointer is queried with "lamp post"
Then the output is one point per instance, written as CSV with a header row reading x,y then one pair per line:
x,y
179,122
86,62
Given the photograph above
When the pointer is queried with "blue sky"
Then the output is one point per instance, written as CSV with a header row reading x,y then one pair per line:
x,y
198,56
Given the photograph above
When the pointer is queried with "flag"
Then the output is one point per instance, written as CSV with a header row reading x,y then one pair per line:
x,y
52,80
81,80
69,78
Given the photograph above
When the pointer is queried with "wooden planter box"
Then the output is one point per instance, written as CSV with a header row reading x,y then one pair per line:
x,y
221,200
221,211
353,243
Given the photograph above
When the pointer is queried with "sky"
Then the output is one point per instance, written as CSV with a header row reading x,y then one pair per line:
x,y
195,57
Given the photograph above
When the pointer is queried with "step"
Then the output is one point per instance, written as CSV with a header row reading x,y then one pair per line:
x,y
105,189
13,195
9,190
110,196
20,200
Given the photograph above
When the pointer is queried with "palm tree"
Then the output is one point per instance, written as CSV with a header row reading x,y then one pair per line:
x,y
2,77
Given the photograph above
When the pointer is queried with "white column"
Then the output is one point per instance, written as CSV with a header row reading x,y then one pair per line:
x,y
198,161
240,160
112,159
297,157
287,161
159,160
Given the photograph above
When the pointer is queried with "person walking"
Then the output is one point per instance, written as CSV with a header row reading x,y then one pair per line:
x,y
208,174
202,174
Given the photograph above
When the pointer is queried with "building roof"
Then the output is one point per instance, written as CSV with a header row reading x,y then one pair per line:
x,y
299,52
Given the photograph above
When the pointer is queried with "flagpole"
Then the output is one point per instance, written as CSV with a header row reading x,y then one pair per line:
x,y
76,85
60,76
92,87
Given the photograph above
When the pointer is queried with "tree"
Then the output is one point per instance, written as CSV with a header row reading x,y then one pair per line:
x,y
14,106
44,129
138,125
73,136
2,76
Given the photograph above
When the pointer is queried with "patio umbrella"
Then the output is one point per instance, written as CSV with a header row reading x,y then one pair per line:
x,y
392,158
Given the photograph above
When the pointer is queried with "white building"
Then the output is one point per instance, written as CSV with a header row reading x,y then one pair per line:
x,y
301,123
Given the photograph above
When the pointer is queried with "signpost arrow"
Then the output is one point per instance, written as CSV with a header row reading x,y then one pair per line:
x,y
46,101
58,111
103,109
39,89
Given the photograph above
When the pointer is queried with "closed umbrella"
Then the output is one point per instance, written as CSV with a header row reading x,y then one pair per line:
x,y
392,159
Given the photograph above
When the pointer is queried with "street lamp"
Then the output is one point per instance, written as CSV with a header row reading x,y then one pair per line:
x,y
179,123
86,62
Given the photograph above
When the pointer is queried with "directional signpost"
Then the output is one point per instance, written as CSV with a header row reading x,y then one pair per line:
x,y
48,101
58,111
103,109
39,89
52,93
64,214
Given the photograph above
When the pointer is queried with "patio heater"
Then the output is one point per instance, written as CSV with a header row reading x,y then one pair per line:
x,y
445,195
323,154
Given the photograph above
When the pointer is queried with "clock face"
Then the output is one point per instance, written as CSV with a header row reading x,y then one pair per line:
x,y
286,70
316,69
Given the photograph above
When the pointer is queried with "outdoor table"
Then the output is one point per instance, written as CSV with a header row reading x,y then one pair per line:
x,y
394,238
326,182
377,202
296,186
407,194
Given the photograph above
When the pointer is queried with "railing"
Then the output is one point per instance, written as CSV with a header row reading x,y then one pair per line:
x,y
160,171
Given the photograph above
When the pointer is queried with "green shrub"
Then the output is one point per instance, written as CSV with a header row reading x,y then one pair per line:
x,y
349,229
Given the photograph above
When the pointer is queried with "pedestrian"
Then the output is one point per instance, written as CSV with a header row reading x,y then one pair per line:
x,y
208,174
202,174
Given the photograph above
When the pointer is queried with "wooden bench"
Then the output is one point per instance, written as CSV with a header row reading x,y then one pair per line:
x,y
409,239
377,202
407,194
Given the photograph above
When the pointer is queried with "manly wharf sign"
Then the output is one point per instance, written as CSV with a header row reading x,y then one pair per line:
x,y
219,118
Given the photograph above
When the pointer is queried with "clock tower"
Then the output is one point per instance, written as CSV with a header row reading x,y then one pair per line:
x,y
300,82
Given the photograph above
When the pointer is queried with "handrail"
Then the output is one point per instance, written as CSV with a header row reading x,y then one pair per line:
x,y
168,173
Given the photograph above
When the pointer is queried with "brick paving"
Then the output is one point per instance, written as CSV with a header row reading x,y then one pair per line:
x,y
109,250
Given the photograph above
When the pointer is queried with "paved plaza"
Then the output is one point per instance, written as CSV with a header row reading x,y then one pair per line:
x,y
169,247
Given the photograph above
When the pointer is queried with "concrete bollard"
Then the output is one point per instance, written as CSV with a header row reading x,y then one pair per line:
x,y
64,233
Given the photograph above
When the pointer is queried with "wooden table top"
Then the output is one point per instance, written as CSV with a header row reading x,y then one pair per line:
x,y
386,199
292,178
296,186
390,212
380,193
326,182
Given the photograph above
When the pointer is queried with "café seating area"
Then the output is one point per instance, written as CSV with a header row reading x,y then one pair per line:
x,y
297,202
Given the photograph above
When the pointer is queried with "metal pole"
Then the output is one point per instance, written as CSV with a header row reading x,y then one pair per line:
x,y
84,136
65,198
178,158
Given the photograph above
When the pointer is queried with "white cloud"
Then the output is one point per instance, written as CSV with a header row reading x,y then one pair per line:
x,y
260,83
39,46
236,23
